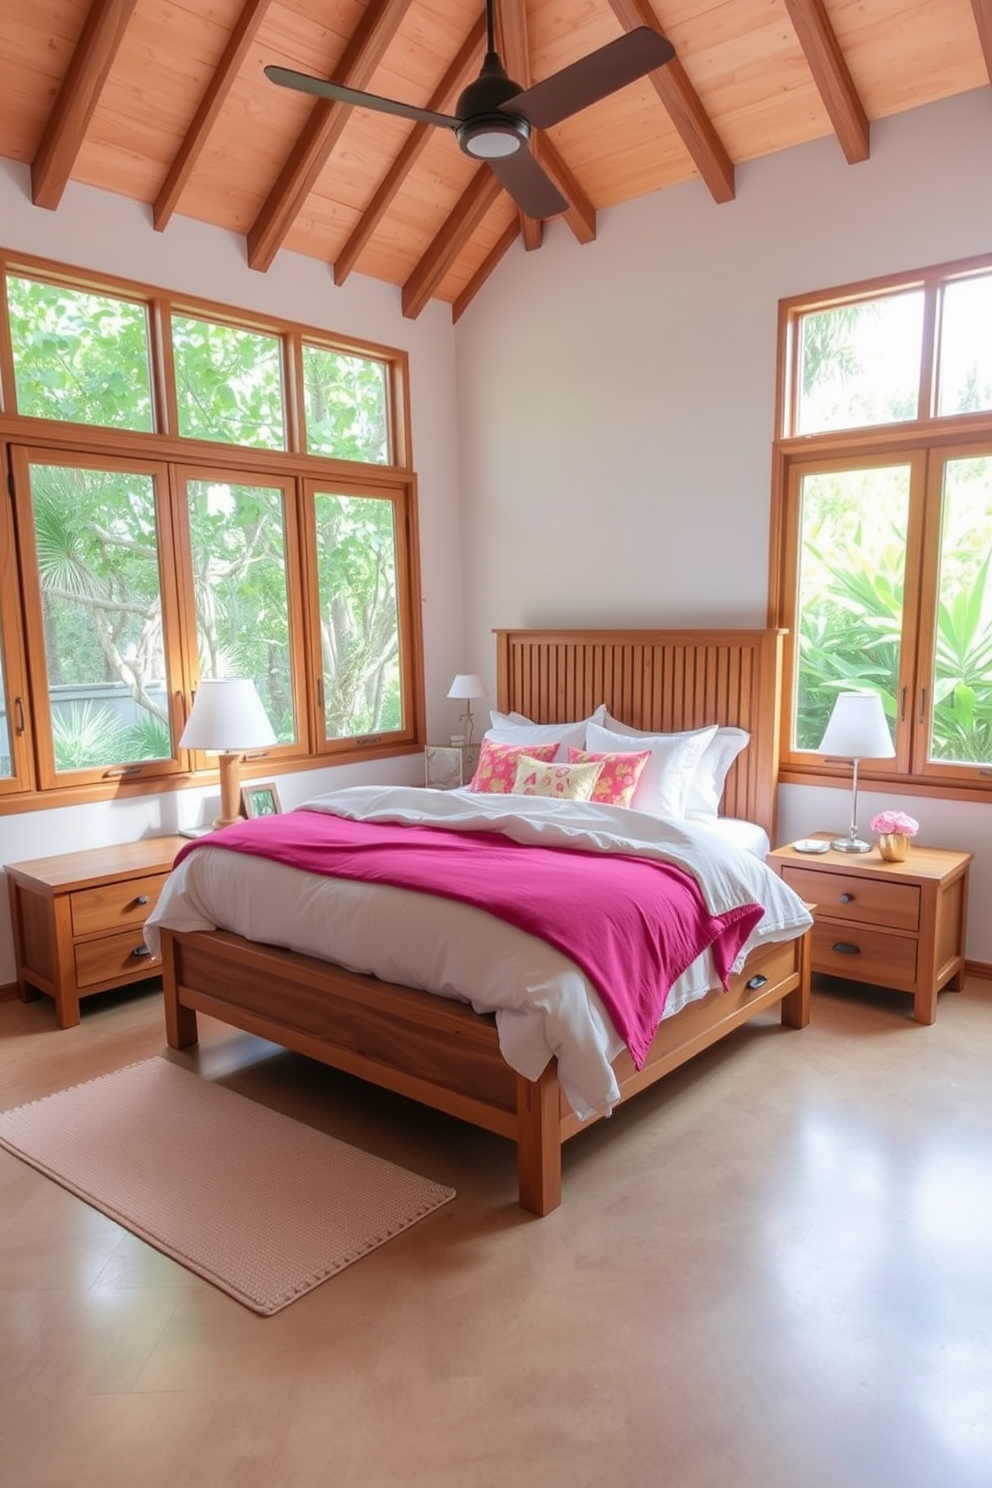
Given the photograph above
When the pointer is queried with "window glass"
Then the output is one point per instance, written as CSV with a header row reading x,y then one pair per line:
x,y
79,357
97,545
359,616
346,409
965,365
852,564
228,383
238,543
860,363
961,726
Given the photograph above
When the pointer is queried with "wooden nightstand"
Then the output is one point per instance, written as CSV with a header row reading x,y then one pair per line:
x,y
78,918
898,925
447,766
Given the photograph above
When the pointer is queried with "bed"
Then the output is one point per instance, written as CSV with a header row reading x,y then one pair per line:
x,y
444,1053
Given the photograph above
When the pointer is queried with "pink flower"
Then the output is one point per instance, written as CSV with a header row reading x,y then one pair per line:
x,y
895,821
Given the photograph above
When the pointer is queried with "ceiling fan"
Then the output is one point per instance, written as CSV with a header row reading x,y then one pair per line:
x,y
494,116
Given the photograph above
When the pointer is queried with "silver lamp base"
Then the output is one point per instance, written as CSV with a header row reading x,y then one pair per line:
x,y
850,844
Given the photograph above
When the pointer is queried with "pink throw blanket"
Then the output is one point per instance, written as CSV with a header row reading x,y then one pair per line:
x,y
632,924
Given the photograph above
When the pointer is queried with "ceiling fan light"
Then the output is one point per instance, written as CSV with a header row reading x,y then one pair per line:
x,y
493,138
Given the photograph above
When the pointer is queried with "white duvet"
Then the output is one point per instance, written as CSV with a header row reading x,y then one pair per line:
x,y
543,1004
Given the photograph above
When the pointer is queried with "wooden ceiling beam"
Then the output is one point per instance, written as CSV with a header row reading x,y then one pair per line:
x,y
693,124
581,214
481,193
208,112
452,82
482,273
91,61
983,20
831,76
516,59
379,24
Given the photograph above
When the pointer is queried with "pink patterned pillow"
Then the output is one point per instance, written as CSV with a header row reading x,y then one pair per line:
x,y
566,782
619,776
497,767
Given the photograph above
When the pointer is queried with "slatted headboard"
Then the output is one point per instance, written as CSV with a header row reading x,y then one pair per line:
x,y
661,681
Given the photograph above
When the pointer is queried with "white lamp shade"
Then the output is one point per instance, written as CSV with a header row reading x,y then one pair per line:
x,y
227,713
467,685
857,728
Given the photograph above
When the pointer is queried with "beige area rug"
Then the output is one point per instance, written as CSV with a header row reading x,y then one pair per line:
x,y
261,1205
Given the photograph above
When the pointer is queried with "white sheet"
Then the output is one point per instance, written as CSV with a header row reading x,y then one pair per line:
x,y
749,835
543,1003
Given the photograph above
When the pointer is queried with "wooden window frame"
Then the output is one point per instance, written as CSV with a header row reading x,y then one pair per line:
x,y
925,443
33,784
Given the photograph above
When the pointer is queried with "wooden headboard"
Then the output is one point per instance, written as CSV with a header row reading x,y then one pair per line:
x,y
660,681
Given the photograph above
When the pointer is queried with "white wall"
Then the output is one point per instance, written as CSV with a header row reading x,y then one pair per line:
x,y
616,401
94,230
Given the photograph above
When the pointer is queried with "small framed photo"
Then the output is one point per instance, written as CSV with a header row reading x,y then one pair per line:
x,y
261,799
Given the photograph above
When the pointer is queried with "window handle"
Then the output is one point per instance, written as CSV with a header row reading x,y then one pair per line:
x,y
19,707
923,704
902,705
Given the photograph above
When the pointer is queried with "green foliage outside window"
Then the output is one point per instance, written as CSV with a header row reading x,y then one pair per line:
x,y
851,614
228,384
359,629
345,399
79,357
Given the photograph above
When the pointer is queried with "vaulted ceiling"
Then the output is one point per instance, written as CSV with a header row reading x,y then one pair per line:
x,y
166,102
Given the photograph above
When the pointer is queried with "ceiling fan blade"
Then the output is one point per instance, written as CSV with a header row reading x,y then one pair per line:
x,y
613,66
302,82
531,188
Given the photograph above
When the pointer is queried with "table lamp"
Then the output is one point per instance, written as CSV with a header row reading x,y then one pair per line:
x,y
467,686
227,716
857,730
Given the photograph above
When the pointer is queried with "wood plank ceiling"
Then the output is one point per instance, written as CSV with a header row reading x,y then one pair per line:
x,y
165,102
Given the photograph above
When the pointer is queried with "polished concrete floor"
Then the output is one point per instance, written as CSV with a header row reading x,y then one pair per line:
x,y
772,1271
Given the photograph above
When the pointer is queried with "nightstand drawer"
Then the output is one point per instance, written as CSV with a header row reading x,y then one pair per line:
x,y
114,906
865,955
865,901
113,956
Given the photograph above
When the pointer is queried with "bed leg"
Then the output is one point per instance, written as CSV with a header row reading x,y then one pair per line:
x,y
795,1005
180,1022
539,1141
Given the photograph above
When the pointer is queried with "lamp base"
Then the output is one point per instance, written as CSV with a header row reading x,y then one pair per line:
x,y
850,844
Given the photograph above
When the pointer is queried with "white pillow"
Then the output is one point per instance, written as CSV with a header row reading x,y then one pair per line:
x,y
522,731
706,787
566,734
501,720
663,788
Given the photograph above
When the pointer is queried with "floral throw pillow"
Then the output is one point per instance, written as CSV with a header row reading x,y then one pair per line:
x,y
497,767
619,776
567,782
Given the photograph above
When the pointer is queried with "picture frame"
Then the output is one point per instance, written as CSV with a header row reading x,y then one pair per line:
x,y
260,799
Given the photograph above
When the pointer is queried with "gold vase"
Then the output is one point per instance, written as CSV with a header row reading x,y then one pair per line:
x,y
894,846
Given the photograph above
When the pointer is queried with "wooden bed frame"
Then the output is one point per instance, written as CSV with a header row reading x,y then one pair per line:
x,y
444,1054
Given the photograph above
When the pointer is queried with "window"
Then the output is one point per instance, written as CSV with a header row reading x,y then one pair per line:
x,y
883,518
247,510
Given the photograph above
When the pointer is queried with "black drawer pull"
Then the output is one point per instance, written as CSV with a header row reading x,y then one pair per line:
x,y
845,948
847,898
141,899
756,982
140,951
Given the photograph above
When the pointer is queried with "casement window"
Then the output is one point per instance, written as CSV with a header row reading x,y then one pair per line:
x,y
195,493
882,526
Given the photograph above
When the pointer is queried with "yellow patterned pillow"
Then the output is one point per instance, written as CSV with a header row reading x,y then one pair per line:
x,y
534,777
